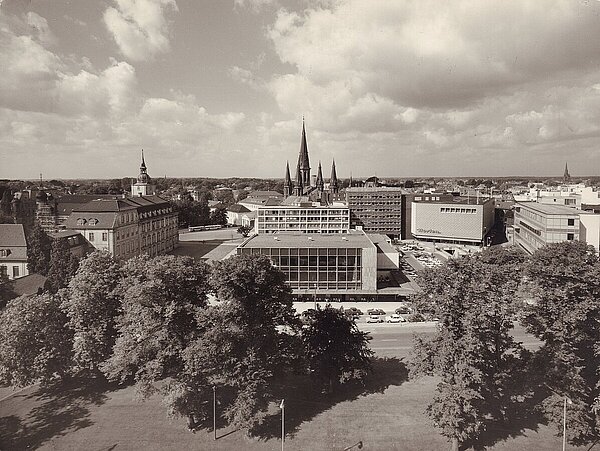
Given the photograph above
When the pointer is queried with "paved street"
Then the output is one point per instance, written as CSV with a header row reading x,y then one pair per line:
x,y
395,340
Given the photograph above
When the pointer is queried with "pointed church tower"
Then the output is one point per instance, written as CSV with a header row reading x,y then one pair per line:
x,y
566,175
287,184
303,161
333,181
320,183
298,185
143,186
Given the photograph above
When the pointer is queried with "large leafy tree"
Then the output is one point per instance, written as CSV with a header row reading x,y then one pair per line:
x,y
335,350
219,216
92,305
247,341
473,351
63,265
162,298
35,340
6,289
38,250
565,286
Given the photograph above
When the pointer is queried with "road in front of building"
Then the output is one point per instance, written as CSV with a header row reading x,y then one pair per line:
x,y
396,340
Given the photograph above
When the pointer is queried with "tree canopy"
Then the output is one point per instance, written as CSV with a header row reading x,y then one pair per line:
x,y
565,287
63,265
334,349
161,300
38,250
92,305
35,340
473,353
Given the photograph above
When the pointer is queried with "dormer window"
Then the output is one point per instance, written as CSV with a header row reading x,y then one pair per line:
x,y
81,221
4,252
93,221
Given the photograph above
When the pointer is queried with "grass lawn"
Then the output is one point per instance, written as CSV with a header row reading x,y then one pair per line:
x,y
196,249
386,414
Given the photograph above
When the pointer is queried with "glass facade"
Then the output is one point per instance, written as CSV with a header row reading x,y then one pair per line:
x,y
316,268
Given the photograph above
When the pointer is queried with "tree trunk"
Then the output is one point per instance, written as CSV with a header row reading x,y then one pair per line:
x,y
454,444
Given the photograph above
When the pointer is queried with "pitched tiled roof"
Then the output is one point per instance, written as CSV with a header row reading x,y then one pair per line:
x,y
66,204
237,208
12,239
29,284
100,220
12,235
106,205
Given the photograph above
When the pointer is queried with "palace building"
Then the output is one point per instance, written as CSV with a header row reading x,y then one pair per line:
x,y
128,226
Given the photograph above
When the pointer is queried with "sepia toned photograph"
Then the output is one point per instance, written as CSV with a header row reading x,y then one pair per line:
x,y
300,225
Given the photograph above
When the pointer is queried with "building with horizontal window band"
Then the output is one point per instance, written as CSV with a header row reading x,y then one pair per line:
x,y
305,217
332,264
538,224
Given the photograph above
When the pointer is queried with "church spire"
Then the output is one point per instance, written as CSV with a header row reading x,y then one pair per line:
x,y
287,185
143,165
333,181
303,161
566,175
320,183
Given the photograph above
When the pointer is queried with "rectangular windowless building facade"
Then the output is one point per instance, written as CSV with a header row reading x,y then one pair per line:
x,y
463,220
327,263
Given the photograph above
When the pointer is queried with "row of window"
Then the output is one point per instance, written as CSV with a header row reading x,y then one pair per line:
x,y
92,237
16,271
307,212
458,210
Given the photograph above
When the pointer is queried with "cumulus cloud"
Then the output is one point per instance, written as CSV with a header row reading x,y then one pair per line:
x,y
494,77
140,27
69,108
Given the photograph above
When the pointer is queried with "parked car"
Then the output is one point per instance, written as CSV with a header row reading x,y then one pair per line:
x,y
403,311
375,311
354,311
374,319
395,318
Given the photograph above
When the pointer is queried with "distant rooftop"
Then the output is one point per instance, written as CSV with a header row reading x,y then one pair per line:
x,y
455,200
551,209
375,188
352,239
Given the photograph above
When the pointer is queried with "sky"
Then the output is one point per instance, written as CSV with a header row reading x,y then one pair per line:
x,y
218,88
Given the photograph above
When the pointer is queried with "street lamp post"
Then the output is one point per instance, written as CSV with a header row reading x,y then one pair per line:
x,y
565,422
282,407
214,412
315,295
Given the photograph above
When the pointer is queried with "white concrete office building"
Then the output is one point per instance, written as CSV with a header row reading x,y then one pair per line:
x,y
461,221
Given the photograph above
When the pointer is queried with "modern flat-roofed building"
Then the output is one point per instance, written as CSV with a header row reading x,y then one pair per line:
x,y
302,216
463,220
332,264
589,229
376,209
407,200
538,224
